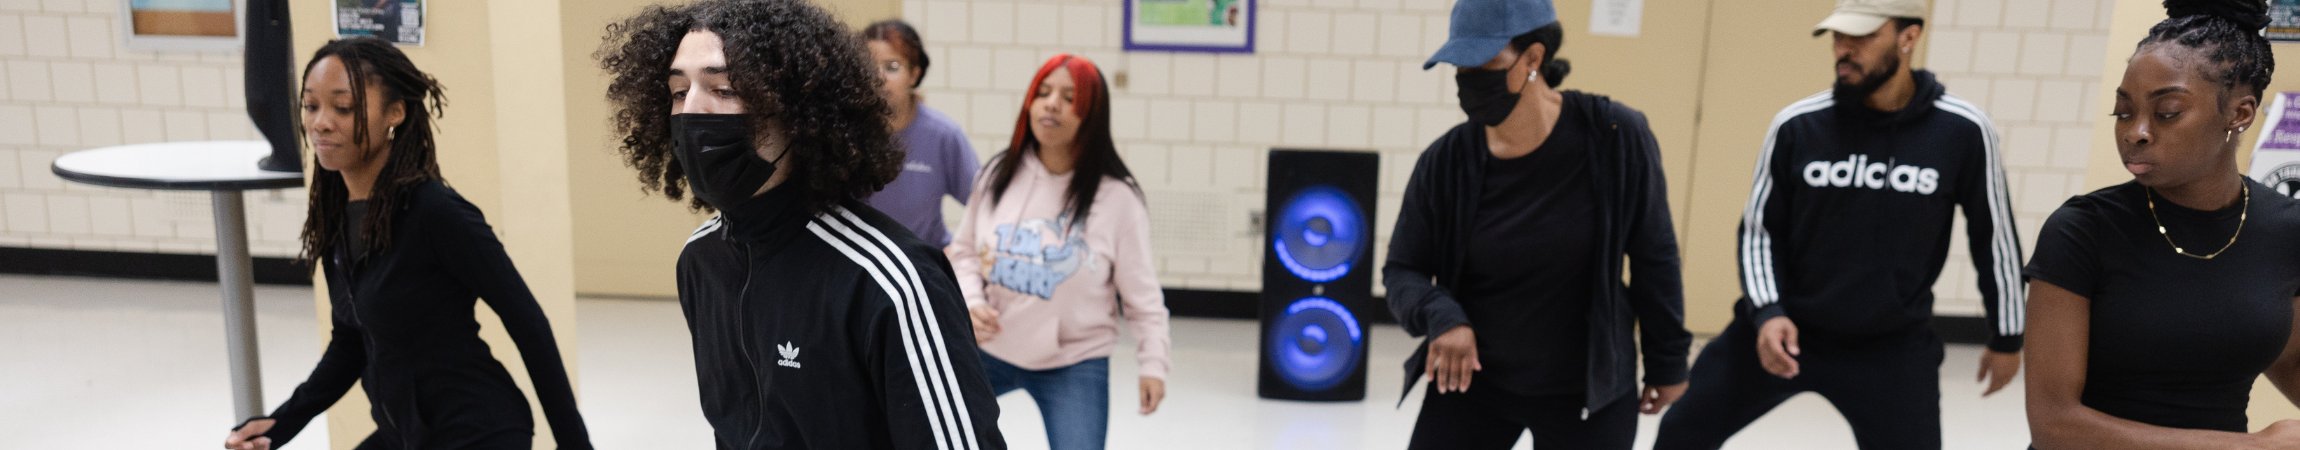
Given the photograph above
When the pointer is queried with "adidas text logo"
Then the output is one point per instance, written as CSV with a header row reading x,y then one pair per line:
x,y
790,355
1857,171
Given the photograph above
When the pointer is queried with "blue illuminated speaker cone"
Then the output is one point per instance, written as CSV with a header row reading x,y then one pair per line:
x,y
1319,233
1315,343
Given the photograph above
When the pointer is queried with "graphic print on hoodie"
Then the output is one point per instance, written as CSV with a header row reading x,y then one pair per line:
x,y
1029,264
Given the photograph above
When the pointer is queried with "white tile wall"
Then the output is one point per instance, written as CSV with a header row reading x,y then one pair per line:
x,y
2033,66
28,80
1354,33
67,84
11,36
1329,79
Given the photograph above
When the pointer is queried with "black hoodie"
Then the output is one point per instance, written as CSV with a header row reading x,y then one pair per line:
x,y
1433,231
832,331
1849,216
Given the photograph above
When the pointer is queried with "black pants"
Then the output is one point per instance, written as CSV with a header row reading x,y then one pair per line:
x,y
1888,390
1488,418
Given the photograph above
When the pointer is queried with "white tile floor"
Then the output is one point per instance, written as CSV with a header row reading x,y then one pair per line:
x,y
105,363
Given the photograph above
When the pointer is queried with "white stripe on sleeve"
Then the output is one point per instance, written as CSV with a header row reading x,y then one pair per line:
x,y
939,377
705,230
2004,250
928,400
924,313
1758,277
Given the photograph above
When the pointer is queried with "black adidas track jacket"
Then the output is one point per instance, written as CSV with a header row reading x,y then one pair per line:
x,y
832,331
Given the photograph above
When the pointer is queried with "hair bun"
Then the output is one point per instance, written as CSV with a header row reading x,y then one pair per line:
x,y
2249,14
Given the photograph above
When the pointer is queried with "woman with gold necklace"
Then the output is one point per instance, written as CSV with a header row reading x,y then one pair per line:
x,y
2155,303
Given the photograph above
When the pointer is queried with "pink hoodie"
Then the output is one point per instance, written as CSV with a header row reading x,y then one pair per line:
x,y
1057,288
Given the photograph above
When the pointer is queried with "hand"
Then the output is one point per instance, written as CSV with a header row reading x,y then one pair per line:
x,y
985,322
1997,368
1153,392
251,436
1777,347
2284,434
1452,357
989,260
1655,398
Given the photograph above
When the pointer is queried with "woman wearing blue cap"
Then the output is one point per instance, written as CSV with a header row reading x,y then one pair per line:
x,y
1544,343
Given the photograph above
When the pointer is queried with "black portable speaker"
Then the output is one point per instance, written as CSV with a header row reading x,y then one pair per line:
x,y
1317,274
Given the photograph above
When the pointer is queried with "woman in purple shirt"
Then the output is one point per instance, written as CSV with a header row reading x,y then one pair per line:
x,y
938,160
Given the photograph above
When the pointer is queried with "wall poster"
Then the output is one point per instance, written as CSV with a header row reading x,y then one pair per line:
x,y
398,21
2283,21
1219,26
181,24
2276,154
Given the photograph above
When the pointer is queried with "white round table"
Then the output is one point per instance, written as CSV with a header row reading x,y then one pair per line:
x,y
223,168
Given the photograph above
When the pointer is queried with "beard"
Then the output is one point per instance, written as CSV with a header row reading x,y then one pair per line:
x,y
1872,78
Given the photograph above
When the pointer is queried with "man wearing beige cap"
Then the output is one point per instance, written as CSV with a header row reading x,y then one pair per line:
x,y
1847,227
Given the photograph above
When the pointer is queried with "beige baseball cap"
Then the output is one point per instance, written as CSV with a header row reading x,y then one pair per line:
x,y
1861,17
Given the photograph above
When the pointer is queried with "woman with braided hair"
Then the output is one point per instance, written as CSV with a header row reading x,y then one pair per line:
x,y
405,258
2155,303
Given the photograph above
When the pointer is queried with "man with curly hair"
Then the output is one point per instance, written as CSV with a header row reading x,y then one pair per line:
x,y
817,321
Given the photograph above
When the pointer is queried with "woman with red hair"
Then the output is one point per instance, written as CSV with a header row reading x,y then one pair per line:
x,y
1055,245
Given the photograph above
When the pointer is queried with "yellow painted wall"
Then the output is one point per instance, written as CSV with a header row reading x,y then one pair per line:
x,y
1658,72
2132,20
1709,79
625,241
510,162
1761,56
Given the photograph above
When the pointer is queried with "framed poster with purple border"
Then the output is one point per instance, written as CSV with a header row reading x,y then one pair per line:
x,y
2276,153
1216,26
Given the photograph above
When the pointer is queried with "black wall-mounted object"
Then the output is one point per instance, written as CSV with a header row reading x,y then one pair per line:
x,y
269,58
1317,274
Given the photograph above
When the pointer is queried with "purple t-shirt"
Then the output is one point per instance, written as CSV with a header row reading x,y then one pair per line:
x,y
939,161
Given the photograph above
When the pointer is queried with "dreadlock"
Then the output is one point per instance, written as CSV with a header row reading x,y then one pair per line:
x,y
373,61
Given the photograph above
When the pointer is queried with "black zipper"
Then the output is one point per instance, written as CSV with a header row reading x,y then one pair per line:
x,y
742,332
351,298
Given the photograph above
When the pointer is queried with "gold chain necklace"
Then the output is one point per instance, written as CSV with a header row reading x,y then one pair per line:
x,y
2247,194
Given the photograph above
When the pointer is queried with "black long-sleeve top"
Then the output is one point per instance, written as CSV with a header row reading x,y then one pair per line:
x,y
1849,217
839,330
1435,227
404,328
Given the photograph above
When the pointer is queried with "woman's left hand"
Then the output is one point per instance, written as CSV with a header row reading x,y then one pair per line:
x,y
1657,397
1153,392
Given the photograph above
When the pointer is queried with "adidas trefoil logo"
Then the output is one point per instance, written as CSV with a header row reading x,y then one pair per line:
x,y
790,355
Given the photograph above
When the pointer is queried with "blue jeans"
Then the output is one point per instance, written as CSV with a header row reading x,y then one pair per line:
x,y
1074,401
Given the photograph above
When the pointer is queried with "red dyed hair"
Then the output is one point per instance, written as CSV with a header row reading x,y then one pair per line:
x,y
1097,155
1090,93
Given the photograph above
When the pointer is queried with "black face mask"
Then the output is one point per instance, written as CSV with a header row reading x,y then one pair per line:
x,y
1485,95
716,151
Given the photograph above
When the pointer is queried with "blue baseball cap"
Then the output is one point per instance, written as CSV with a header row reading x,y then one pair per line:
x,y
1481,28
